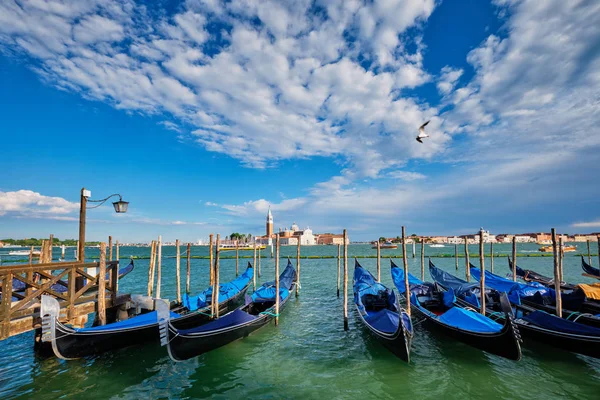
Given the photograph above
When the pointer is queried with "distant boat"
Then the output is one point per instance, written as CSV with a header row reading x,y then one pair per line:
x,y
436,245
386,245
566,249
23,253
225,247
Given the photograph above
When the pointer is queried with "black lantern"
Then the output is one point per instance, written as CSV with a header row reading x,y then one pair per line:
x,y
121,206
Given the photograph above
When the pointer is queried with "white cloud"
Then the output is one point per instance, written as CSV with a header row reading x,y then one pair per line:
x,y
591,224
448,79
23,202
289,87
406,175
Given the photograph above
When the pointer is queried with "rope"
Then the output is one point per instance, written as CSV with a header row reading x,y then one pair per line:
x,y
583,315
570,315
269,313
496,314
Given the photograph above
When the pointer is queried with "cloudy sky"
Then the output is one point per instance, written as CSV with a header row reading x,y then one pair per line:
x,y
203,113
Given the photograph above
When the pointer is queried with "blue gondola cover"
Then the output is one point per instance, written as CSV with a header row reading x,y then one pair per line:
x,y
469,320
267,291
226,291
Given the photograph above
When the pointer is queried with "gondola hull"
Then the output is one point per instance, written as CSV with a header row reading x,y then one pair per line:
x,y
398,343
182,346
577,343
504,343
68,343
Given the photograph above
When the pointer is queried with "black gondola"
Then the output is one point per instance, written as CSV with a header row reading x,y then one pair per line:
x,y
531,276
534,325
588,269
380,312
575,305
258,311
70,343
465,324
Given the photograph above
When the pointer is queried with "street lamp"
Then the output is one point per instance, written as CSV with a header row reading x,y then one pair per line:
x,y
120,207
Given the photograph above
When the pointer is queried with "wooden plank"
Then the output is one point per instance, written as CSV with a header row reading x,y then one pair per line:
x,y
102,286
18,268
41,289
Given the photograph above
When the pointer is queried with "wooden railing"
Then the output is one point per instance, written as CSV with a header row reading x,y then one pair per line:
x,y
81,287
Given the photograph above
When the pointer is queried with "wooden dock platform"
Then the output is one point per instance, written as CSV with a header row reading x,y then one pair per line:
x,y
75,285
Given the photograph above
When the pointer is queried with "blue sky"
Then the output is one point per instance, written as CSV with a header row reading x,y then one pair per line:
x,y
203,113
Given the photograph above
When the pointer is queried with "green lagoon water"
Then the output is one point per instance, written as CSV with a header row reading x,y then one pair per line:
x,y
309,355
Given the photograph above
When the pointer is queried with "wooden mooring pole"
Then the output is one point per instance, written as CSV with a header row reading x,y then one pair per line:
x,y
467,261
339,246
514,258
216,287
110,249
298,263
259,257
151,269
237,258
482,268
561,254
178,270
51,242
378,261
414,247
102,286
188,272
159,267
277,282
405,264
117,251
346,280
456,255
211,260
423,260
254,268
588,249
492,257
556,275
598,238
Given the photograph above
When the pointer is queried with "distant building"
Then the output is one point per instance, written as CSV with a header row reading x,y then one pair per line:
x,y
455,240
330,238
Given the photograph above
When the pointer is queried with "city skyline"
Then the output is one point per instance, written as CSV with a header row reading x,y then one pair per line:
x,y
204,114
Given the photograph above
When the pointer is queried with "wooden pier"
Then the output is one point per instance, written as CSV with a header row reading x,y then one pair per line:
x,y
78,296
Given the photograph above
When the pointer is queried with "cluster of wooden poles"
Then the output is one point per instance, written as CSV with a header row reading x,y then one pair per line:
x,y
155,268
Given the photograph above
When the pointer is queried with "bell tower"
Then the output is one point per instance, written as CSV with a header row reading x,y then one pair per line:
x,y
269,223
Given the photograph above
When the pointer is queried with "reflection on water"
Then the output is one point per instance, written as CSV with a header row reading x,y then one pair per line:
x,y
308,355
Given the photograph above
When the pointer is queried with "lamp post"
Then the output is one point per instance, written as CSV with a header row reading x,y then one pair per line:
x,y
120,207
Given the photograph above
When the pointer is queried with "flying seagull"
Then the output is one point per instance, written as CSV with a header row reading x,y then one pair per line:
x,y
422,134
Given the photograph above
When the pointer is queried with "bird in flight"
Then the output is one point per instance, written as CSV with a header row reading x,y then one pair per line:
x,y
422,134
